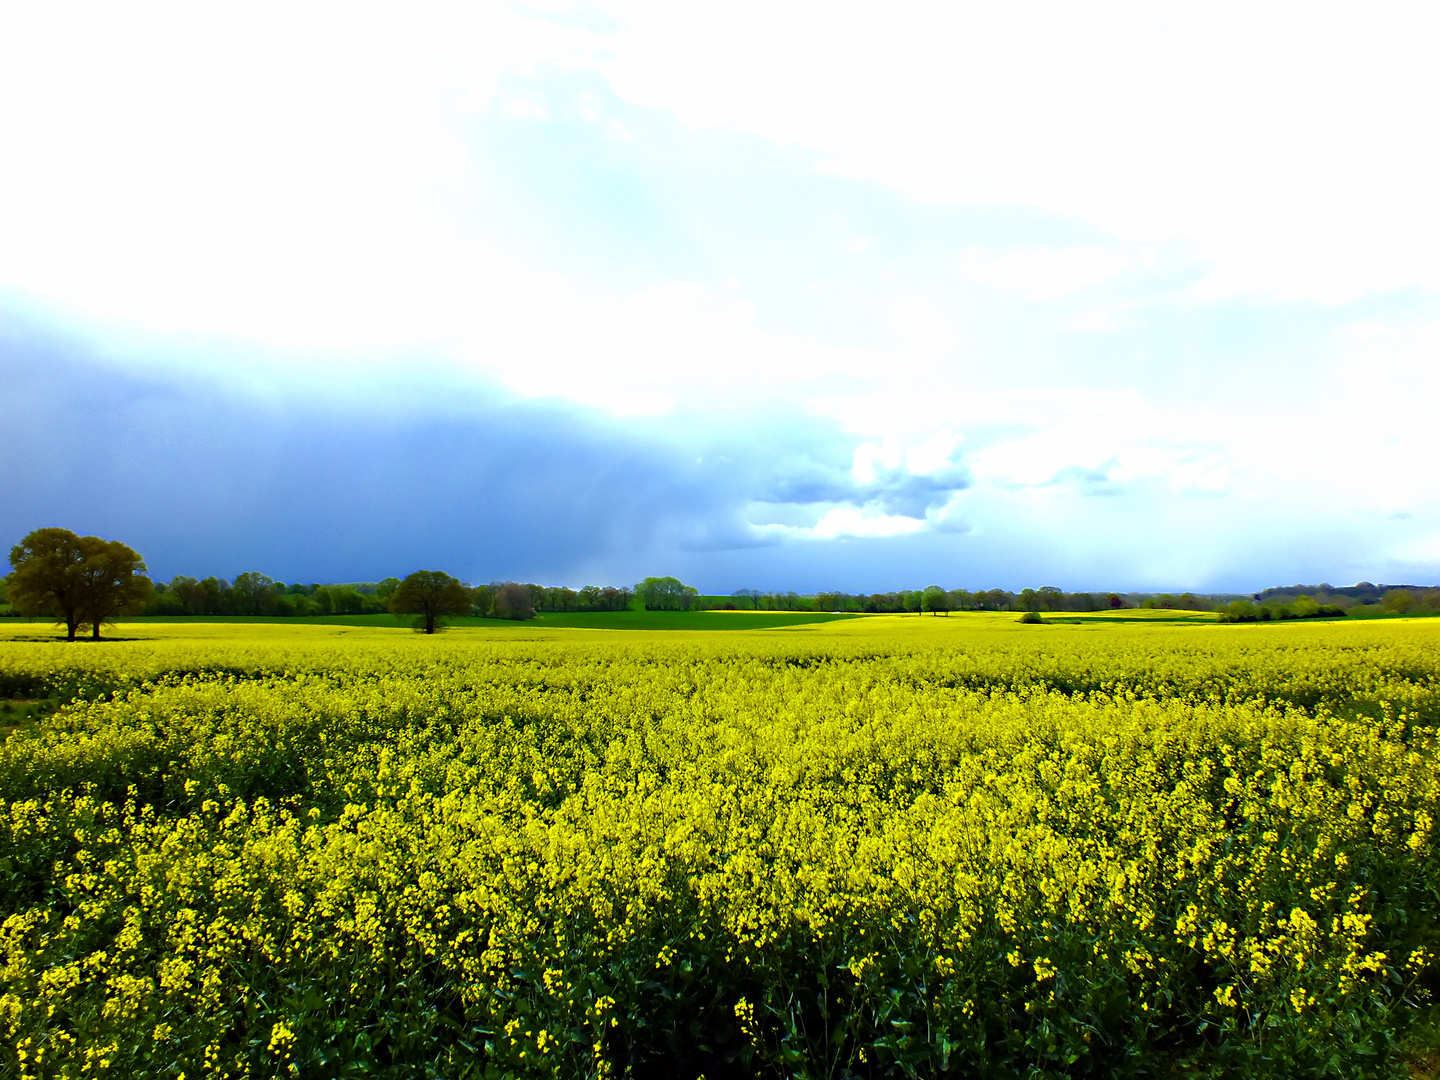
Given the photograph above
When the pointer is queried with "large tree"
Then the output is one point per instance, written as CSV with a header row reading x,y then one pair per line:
x,y
432,595
77,579
115,580
46,578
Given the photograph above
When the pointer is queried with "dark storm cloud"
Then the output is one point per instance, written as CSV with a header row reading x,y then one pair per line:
x,y
323,484
910,495
805,481
203,482
205,479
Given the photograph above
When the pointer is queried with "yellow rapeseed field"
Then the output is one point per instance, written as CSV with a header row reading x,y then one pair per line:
x,y
881,846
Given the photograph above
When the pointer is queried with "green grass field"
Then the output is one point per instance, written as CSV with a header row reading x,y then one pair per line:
x,y
577,620
671,620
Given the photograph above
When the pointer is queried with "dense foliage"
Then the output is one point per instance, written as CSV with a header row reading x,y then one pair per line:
x,y
1302,607
77,580
431,595
934,847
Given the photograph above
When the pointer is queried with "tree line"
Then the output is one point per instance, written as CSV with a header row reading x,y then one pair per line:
x,y
939,601
85,581
1361,599
1280,604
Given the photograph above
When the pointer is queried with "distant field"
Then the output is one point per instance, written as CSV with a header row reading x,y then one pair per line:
x,y
581,620
1130,615
679,620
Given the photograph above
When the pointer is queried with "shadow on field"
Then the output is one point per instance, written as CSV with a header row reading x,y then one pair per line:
x,y
17,713
59,639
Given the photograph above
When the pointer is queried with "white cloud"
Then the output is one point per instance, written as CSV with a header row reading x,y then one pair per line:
x,y
520,107
1042,274
1282,144
904,452
645,352
932,455
850,521
873,459
845,522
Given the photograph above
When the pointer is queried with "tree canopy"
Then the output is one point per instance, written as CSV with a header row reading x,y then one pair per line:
x,y
432,595
666,594
513,601
255,592
77,579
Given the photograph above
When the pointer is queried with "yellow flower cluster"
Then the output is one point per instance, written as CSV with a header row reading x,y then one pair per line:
x,y
922,845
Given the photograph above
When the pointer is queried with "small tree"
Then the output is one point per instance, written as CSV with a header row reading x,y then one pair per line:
x,y
513,601
432,595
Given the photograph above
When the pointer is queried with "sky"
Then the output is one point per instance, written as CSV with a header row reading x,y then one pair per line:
x,y
778,296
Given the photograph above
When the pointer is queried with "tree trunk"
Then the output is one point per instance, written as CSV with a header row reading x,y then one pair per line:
x,y
96,635
429,622
71,625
